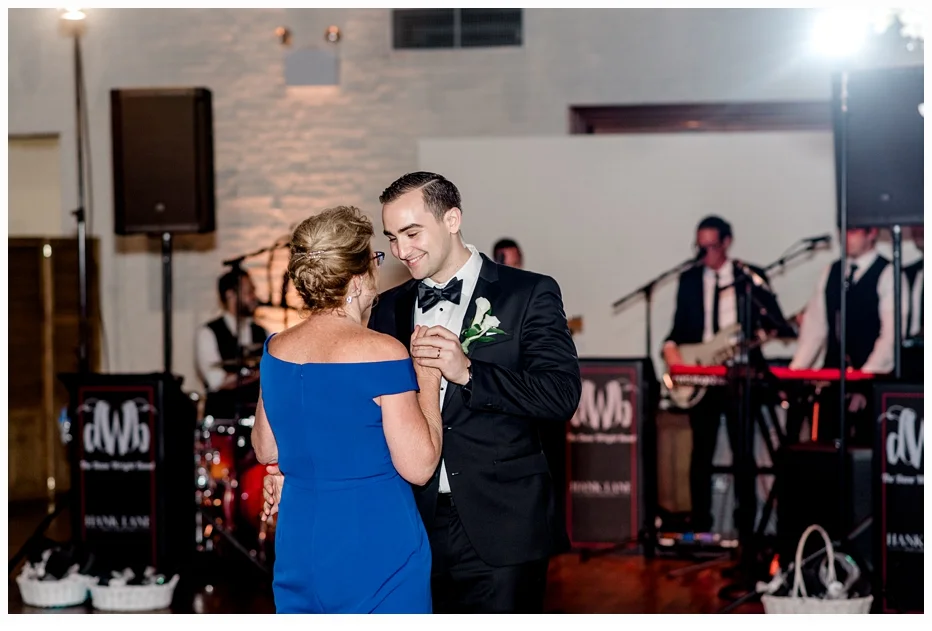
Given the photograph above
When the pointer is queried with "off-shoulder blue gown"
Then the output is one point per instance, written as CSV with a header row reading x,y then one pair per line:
x,y
349,538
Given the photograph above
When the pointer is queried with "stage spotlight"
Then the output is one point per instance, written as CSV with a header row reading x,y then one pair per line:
x,y
840,32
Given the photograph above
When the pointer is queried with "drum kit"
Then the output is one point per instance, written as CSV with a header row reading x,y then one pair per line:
x,y
228,489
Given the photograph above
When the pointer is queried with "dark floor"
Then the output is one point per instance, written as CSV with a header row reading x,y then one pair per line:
x,y
611,583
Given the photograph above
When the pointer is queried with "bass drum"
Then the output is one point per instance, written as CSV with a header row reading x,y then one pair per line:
x,y
250,494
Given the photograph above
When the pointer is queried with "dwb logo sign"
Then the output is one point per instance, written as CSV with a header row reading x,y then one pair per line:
x,y
116,431
905,442
899,519
603,408
602,466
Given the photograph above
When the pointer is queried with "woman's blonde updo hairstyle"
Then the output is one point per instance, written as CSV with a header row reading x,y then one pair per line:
x,y
327,251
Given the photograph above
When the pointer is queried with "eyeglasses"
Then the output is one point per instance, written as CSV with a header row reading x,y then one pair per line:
x,y
379,258
710,246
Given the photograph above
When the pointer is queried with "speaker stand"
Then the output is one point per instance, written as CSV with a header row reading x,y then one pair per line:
x,y
167,299
79,213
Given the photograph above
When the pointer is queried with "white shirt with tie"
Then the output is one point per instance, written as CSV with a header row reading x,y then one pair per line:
x,y
813,333
450,316
727,306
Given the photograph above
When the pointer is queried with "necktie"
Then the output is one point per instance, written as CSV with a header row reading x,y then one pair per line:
x,y
850,280
715,294
428,297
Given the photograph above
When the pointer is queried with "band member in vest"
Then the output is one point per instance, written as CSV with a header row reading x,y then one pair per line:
x,y
916,280
705,304
217,348
868,278
914,332
508,252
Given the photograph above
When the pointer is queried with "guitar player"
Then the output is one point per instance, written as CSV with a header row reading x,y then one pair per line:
x,y
868,279
701,312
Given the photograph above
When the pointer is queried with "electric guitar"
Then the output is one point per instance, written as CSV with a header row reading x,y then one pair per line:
x,y
715,352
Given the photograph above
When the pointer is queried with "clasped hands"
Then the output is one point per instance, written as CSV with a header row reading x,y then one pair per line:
x,y
437,347
431,347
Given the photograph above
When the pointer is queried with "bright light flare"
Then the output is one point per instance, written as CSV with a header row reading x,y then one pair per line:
x,y
840,32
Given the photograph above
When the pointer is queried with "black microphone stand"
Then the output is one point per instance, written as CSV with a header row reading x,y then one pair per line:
x,y
648,289
75,29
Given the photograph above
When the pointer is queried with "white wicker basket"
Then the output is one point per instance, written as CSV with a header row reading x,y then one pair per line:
x,y
67,592
799,602
133,597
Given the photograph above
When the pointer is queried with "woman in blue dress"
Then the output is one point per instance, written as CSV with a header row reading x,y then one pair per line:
x,y
351,422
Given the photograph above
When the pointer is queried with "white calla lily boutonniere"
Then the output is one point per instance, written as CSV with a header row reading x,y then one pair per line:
x,y
484,325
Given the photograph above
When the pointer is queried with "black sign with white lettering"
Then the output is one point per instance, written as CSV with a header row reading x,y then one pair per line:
x,y
115,437
899,455
604,495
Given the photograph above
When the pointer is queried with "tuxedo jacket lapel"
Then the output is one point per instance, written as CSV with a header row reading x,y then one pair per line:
x,y
404,314
487,286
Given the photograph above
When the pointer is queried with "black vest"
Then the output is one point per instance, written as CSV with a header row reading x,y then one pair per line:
x,y
226,341
862,317
224,403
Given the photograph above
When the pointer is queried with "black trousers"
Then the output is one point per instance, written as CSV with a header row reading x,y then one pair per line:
x,y
461,582
704,422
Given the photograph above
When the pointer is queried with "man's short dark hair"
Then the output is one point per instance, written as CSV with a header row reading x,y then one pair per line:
x,y
230,282
716,223
504,244
440,194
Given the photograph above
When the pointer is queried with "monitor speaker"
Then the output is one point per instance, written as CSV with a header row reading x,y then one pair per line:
x,y
807,493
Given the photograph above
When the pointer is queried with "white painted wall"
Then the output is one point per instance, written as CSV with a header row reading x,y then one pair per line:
x,y
282,154
606,214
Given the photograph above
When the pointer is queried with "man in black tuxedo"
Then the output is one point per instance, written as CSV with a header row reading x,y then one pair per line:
x,y
499,336
706,303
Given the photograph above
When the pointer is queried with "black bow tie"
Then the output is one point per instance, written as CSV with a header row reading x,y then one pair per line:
x,y
428,297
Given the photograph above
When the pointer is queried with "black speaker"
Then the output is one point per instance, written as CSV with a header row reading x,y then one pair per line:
x,y
884,138
163,160
808,493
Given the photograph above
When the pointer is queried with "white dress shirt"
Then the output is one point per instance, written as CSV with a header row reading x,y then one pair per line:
x,y
915,325
450,316
727,307
208,352
813,333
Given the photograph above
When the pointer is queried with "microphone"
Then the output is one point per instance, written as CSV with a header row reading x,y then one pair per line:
x,y
823,238
754,276
500,258
700,254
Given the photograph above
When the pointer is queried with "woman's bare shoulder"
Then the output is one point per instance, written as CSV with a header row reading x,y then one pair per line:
x,y
374,346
